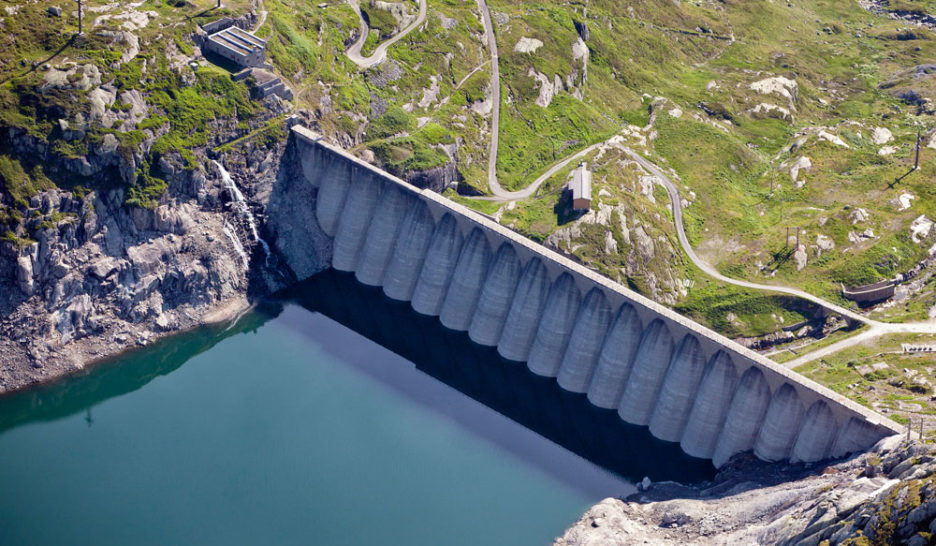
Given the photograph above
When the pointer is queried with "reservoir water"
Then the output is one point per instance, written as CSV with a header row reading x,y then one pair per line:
x,y
289,427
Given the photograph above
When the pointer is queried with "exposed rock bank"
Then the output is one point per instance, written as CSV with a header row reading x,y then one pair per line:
x,y
102,276
886,496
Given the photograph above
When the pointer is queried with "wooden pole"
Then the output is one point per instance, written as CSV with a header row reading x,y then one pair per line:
x,y
79,18
771,180
916,162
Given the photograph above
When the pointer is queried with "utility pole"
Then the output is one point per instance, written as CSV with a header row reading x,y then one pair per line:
x,y
916,162
80,31
771,181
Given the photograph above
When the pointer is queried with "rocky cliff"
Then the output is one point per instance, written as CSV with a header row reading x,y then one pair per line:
x,y
886,496
98,276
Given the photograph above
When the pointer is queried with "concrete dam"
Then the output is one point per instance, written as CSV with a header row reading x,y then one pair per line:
x,y
622,351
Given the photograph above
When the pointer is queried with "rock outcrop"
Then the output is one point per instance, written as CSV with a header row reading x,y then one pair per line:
x,y
86,275
887,496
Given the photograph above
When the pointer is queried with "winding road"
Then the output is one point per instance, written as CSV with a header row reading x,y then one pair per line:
x,y
493,184
875,328
354,52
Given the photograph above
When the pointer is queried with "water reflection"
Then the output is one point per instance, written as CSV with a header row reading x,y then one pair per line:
x,y
480,372
121,374
509,388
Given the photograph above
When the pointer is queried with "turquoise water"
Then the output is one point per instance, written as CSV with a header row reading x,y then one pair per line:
x,y
288,429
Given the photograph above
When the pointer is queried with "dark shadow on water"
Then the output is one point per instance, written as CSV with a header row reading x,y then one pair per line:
x,y
508,387
121,374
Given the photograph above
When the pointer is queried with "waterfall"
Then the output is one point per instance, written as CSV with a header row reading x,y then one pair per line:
x,y
241,205
238,247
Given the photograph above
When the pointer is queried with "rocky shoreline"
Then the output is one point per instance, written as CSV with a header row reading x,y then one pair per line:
x,y
885,496
101,277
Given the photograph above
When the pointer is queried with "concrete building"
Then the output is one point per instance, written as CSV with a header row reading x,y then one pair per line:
x,y
217,25
580,187
264,83
237,45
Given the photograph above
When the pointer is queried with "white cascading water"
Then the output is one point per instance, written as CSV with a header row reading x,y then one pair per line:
x,y
238,247
241,205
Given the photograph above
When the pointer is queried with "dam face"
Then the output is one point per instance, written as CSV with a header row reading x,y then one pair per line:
x,y
620,350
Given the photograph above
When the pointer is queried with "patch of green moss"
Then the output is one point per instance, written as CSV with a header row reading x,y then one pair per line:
x,y
17,183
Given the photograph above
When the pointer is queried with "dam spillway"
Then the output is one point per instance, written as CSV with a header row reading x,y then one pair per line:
x,y
621,350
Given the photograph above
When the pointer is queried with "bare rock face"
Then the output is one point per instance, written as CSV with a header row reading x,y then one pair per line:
x,y
435,179
24,275
880,135
292,224
858,215
802,163
824,243
752,504
799,257
102,275
920,228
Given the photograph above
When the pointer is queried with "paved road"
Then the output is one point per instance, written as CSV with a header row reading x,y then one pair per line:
x,y
354,52
505,195
711,271
876,328
493,184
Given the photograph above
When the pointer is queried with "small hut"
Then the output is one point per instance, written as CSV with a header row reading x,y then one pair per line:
x,y
580,187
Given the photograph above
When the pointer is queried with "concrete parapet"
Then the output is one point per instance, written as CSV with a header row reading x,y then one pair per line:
x,y
526,299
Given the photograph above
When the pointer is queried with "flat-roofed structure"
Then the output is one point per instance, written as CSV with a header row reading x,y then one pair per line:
x,y
580,186
237,45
